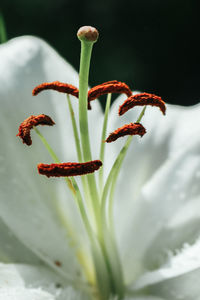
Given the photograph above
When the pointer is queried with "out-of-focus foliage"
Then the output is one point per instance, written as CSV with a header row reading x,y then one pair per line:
x,y
3,36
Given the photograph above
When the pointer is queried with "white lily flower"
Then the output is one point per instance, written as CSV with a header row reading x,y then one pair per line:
x,y
45,250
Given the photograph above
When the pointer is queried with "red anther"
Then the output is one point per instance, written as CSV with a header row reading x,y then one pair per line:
x,y
141,100
113,86
57,86
26,126
109,82
128,129
69,169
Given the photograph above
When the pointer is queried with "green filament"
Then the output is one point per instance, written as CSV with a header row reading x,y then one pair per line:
x,y
114,172
103,137
75,192
80,158
70,182
75,130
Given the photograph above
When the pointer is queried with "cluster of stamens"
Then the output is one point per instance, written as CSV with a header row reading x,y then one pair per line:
x,y
114,86
97,206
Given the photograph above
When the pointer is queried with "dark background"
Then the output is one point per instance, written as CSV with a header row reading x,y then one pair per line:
x,y
152,45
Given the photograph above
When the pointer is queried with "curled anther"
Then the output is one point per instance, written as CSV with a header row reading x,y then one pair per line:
x,y
127,129
69,169
141,100
26,126
56,86
113,86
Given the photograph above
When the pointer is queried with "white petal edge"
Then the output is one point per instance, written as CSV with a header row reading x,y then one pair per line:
x,y
178,279
25,279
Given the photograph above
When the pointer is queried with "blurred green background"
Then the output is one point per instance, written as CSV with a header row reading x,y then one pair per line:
x,y
152,45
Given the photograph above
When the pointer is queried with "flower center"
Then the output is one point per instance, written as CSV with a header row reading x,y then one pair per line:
x,y
95,204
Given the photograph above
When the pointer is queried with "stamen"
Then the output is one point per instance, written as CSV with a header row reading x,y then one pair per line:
x,y
57,86
69,169
128,129
140,100
26,126
113,86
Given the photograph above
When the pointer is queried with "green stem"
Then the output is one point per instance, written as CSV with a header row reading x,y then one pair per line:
x,y
86,51
82,210
112,260
75,130
78,146
103,136
110,184
117,170
112,177
74,189
55,158
70,182
47,146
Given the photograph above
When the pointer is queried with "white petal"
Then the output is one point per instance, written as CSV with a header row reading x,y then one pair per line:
x,y
157,226
70,293
20,293
9,276
178,279
158,177
12,250
31,276
13,285
143,298
27,279
31,204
